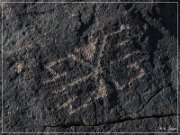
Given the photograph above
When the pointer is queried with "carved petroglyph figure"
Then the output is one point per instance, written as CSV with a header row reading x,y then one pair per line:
x,y
96,71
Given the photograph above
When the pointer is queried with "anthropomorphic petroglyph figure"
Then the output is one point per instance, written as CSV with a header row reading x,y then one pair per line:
x,y
96,71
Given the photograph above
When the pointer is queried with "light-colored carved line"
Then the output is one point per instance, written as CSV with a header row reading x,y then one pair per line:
x,y
125,57
55,78
29,47
130,54
75,58
102,90
79,108
54,73
114,33
73,83
123,43
117,85
88,100
140,75
101,93
104,44
67,103
134,65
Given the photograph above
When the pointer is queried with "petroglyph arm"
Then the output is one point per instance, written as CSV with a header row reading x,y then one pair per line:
x,y
73,83
54,73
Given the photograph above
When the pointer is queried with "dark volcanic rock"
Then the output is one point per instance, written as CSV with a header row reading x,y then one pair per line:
x,y
89,67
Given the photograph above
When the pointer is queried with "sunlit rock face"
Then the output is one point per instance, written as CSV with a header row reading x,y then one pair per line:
x,y
89,67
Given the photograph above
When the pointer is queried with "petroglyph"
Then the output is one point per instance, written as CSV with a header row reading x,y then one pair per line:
x,y
73,83
101,90
29,47
54,73
140,75
117,85
89,67
134,65
88,51
19,68
66,104
96,71
124,43
81,61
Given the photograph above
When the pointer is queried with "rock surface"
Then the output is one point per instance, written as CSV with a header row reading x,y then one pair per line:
x,y
89,67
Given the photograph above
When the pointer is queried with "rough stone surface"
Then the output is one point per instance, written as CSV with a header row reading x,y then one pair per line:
x,y
91,67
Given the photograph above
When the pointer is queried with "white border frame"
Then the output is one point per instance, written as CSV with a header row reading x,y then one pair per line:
x,y
94,2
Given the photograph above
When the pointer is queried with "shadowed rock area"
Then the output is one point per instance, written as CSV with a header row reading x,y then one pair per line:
x,y
89,67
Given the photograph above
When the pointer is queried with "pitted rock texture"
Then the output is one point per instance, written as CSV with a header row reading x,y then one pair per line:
x,y
90,67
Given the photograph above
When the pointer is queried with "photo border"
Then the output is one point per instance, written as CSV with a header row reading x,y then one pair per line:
x,y
95,2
